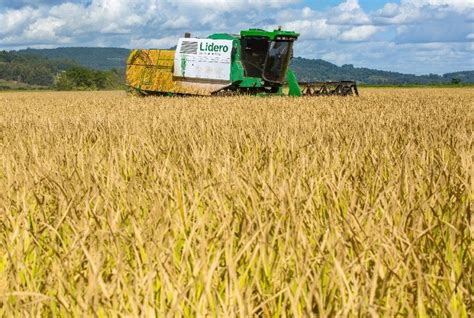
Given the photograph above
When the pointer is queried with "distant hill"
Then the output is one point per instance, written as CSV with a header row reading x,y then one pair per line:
x,y
306,69
320,70
465,77
30,71
97,58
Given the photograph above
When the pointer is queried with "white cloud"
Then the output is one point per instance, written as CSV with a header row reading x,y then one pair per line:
x,y
349,12
152,19
44,29
416,11
389,10
163,42
226,5
424,21
337,57
314,29
14,20
349,5
359,33
452,4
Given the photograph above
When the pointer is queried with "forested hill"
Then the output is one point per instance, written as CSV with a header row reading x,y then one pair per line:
x,y
306,69
29,71
97,58
320,70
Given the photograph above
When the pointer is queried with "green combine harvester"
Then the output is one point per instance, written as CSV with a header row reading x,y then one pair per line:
x,y
252,63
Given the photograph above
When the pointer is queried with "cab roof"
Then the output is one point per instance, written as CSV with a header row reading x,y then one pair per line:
x,y
272,35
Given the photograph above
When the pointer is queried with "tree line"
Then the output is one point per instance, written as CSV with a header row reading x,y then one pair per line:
x,y
55,74
320,70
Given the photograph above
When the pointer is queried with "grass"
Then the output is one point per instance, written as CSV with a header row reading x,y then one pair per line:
x,y
19,86
112,205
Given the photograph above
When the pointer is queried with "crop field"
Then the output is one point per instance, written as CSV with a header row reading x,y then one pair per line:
x,y
113,205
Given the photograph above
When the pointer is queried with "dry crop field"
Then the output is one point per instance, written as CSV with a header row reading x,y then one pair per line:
x,y
113,205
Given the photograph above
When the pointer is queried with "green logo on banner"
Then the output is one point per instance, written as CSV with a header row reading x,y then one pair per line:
x,y
211,47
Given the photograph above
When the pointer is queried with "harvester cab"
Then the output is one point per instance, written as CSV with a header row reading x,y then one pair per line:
x,y
266,55
254,62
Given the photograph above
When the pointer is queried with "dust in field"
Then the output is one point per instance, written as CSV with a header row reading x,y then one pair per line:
x,y
237,206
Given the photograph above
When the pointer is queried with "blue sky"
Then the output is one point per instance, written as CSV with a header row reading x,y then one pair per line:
x,y
410,36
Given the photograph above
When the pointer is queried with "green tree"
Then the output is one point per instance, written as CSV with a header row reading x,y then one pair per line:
x,y
63,82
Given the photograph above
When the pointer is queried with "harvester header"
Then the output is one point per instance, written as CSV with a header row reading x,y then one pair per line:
x,y
254,62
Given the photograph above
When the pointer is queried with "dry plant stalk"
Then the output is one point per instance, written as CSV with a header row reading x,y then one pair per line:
x,y
113,205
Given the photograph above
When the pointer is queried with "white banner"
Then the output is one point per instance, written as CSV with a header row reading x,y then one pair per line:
x,y
203,58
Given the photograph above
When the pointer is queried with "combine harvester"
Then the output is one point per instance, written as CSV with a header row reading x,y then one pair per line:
x,y
252,63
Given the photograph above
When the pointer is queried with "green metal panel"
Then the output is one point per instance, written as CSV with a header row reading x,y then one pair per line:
x,y
294,87
223,36
249,82
237,73
272,35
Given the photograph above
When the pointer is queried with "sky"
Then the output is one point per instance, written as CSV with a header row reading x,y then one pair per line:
x,y
409,36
